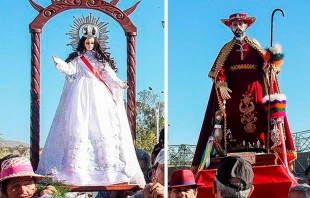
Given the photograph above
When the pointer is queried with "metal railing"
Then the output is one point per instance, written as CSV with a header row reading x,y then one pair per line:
x,y
302,141
302,144
180,155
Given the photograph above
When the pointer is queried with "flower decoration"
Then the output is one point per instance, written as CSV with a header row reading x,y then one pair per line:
x,y
275,55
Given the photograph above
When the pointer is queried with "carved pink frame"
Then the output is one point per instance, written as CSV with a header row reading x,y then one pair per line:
x,y
35,28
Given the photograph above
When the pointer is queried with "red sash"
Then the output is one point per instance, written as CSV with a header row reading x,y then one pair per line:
x,y
95,72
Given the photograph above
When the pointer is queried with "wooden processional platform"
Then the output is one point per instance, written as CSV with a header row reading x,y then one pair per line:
x,y
115,187
254,158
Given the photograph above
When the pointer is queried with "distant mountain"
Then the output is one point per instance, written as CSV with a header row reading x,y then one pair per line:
x,y
12,143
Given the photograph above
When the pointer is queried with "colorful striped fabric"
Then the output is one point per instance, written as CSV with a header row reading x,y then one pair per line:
x,y
276,103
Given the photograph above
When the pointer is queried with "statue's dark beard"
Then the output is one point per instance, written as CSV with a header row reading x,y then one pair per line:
x,y
239,33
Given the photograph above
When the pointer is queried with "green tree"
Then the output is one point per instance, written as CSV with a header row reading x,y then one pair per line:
x,y
150,110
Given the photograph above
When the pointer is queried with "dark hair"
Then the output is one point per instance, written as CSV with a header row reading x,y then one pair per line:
x,y
9,156
100,54
307,170
156,149
162,137
142,155
5,182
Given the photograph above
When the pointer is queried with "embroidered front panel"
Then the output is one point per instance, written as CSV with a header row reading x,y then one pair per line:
x,y
247,109
243,66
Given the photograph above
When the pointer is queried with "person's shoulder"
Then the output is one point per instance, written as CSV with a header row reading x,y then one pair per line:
x,y
255,41
227,43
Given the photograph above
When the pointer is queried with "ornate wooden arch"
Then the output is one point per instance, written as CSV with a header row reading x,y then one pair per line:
x,y
35,28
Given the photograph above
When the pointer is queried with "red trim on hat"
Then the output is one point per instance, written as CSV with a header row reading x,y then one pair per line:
x,y
239,17
16,170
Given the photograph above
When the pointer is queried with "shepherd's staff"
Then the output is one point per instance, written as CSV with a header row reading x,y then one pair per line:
x,y
270,72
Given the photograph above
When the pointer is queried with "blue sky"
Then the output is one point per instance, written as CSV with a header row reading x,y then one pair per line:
x,y
15,59
195,37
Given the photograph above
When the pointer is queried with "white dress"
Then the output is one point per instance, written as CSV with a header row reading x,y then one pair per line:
x,y
90,142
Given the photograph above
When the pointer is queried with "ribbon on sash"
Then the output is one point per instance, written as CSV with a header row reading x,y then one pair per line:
x,y
96,73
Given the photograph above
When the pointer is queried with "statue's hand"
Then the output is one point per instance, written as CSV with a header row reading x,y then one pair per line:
x,y
48,190
55,59
225,92
124,85
266,67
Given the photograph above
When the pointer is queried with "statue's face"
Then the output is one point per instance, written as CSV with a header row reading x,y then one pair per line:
x,y
89,43
239,28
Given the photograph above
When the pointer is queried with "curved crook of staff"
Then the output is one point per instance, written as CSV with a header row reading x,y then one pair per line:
x,y
272,15
271,84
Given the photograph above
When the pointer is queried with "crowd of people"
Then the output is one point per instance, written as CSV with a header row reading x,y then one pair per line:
x,y
233,179
301,190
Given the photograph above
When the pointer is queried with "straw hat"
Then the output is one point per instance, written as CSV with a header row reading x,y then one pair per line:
x,y
17,167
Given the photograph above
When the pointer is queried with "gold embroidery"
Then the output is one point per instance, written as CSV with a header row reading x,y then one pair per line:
x,y
260,50
243,66
275,137
247,107
219,63
291,156
290,153
225,51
